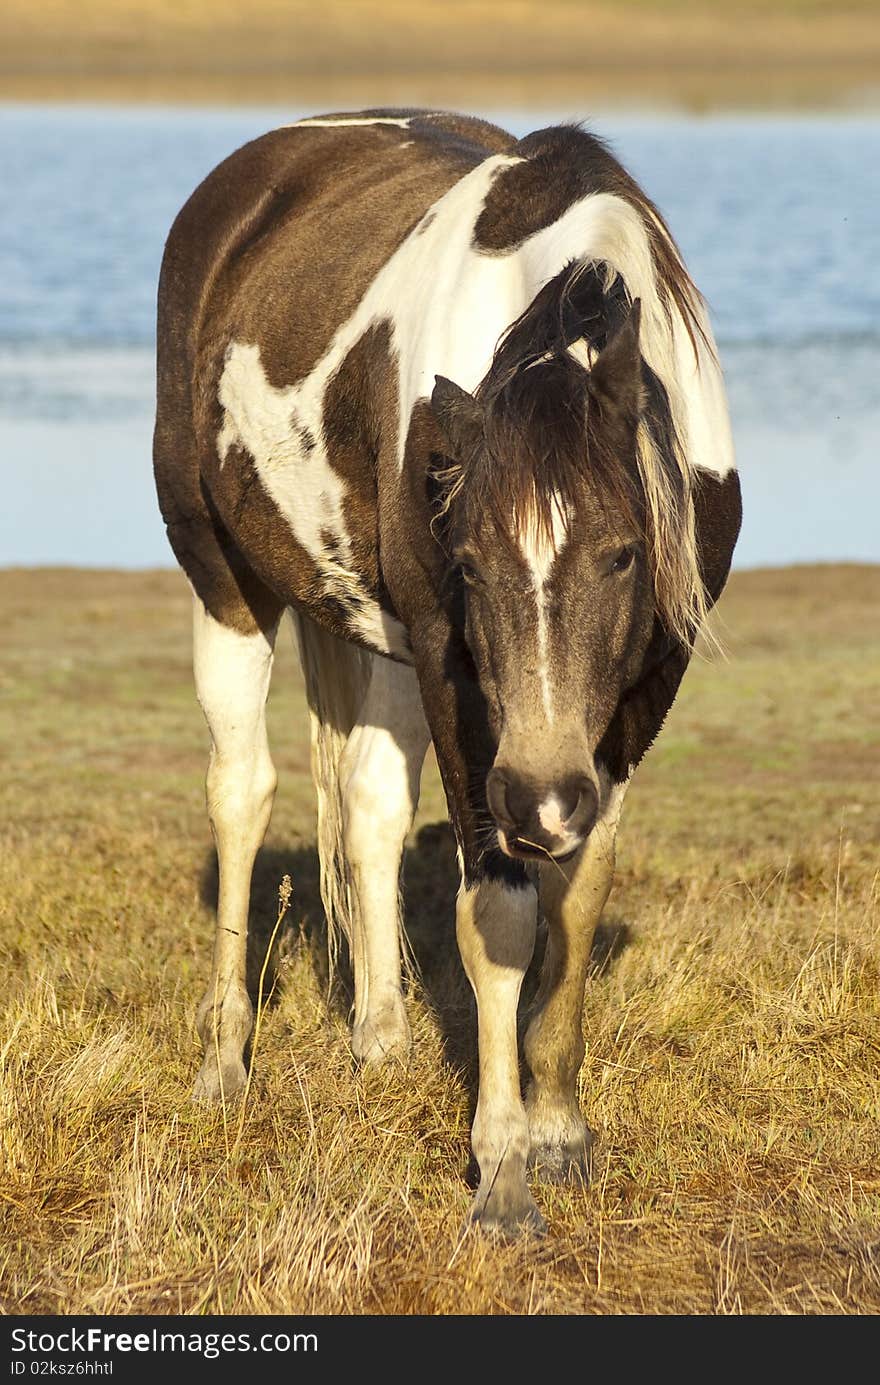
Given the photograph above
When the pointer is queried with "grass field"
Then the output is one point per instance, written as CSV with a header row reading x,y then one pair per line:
x,y
733,1024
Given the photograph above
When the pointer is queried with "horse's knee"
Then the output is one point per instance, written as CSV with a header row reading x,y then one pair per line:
x,y
240,796
377,812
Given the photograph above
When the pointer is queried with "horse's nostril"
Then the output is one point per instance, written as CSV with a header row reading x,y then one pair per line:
x,y
520,798
497,788
581,799
569,795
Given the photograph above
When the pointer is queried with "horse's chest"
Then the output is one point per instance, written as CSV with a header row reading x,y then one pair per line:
x,y
281,434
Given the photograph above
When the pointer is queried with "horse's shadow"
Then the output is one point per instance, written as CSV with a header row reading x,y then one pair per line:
x,y
430,882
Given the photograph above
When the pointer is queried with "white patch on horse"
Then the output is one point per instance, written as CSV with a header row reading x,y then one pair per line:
x,y
551,819
380,771
550,816
448,321
583,353
540,550
607,228
495,927
434,318
380,630
271,425
319,123
232,674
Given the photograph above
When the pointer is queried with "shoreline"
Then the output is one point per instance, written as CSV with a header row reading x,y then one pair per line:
x,y
844,90
502,103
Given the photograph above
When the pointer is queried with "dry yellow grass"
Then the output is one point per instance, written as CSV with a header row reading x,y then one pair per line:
x,y
448,52
733,1024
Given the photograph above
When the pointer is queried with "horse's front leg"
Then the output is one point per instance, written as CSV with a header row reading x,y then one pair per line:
x,y
496,917
572,899
495,925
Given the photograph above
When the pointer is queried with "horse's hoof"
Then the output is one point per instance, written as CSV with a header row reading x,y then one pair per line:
x,y
507,1218
569,1163
382,1037
219,1083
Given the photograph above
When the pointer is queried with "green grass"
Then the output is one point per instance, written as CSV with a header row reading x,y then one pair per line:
x,y
733,1025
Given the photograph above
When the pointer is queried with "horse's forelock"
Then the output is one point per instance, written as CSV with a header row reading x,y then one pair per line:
x,y
534,438
539,453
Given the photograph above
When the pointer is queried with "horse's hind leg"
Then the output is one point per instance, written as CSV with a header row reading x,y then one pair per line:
x,y
572,902
232,673
379,777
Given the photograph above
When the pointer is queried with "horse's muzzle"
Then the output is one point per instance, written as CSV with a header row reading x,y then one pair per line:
x,y
539,820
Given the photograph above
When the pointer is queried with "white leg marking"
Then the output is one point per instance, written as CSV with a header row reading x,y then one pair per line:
x,y
380,773
232,673
495,926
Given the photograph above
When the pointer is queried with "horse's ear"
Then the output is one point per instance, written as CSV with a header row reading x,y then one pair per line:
x,y
459,415
616,376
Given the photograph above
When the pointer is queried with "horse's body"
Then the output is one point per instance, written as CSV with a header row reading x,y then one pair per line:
x,y
453,400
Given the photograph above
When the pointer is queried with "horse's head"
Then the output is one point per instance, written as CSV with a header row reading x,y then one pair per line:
x,y
546,527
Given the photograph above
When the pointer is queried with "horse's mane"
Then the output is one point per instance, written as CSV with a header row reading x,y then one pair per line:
x,y
540,448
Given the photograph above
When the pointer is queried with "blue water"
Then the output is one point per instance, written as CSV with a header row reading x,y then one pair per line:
x,y
777,218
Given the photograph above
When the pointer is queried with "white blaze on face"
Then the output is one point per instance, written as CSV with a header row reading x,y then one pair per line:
x,y
540,550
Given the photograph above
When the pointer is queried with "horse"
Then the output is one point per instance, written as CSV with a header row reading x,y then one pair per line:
x,y
453,400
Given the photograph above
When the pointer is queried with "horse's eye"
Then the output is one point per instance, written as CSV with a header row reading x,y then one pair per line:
x,y
623,560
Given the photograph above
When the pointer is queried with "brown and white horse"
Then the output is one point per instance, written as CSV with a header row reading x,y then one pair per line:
x,y
453,400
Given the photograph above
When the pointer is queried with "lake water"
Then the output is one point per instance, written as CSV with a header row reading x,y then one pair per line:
x,y
777,217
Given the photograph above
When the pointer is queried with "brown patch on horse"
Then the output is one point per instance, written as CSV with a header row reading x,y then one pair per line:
x,y
560,166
